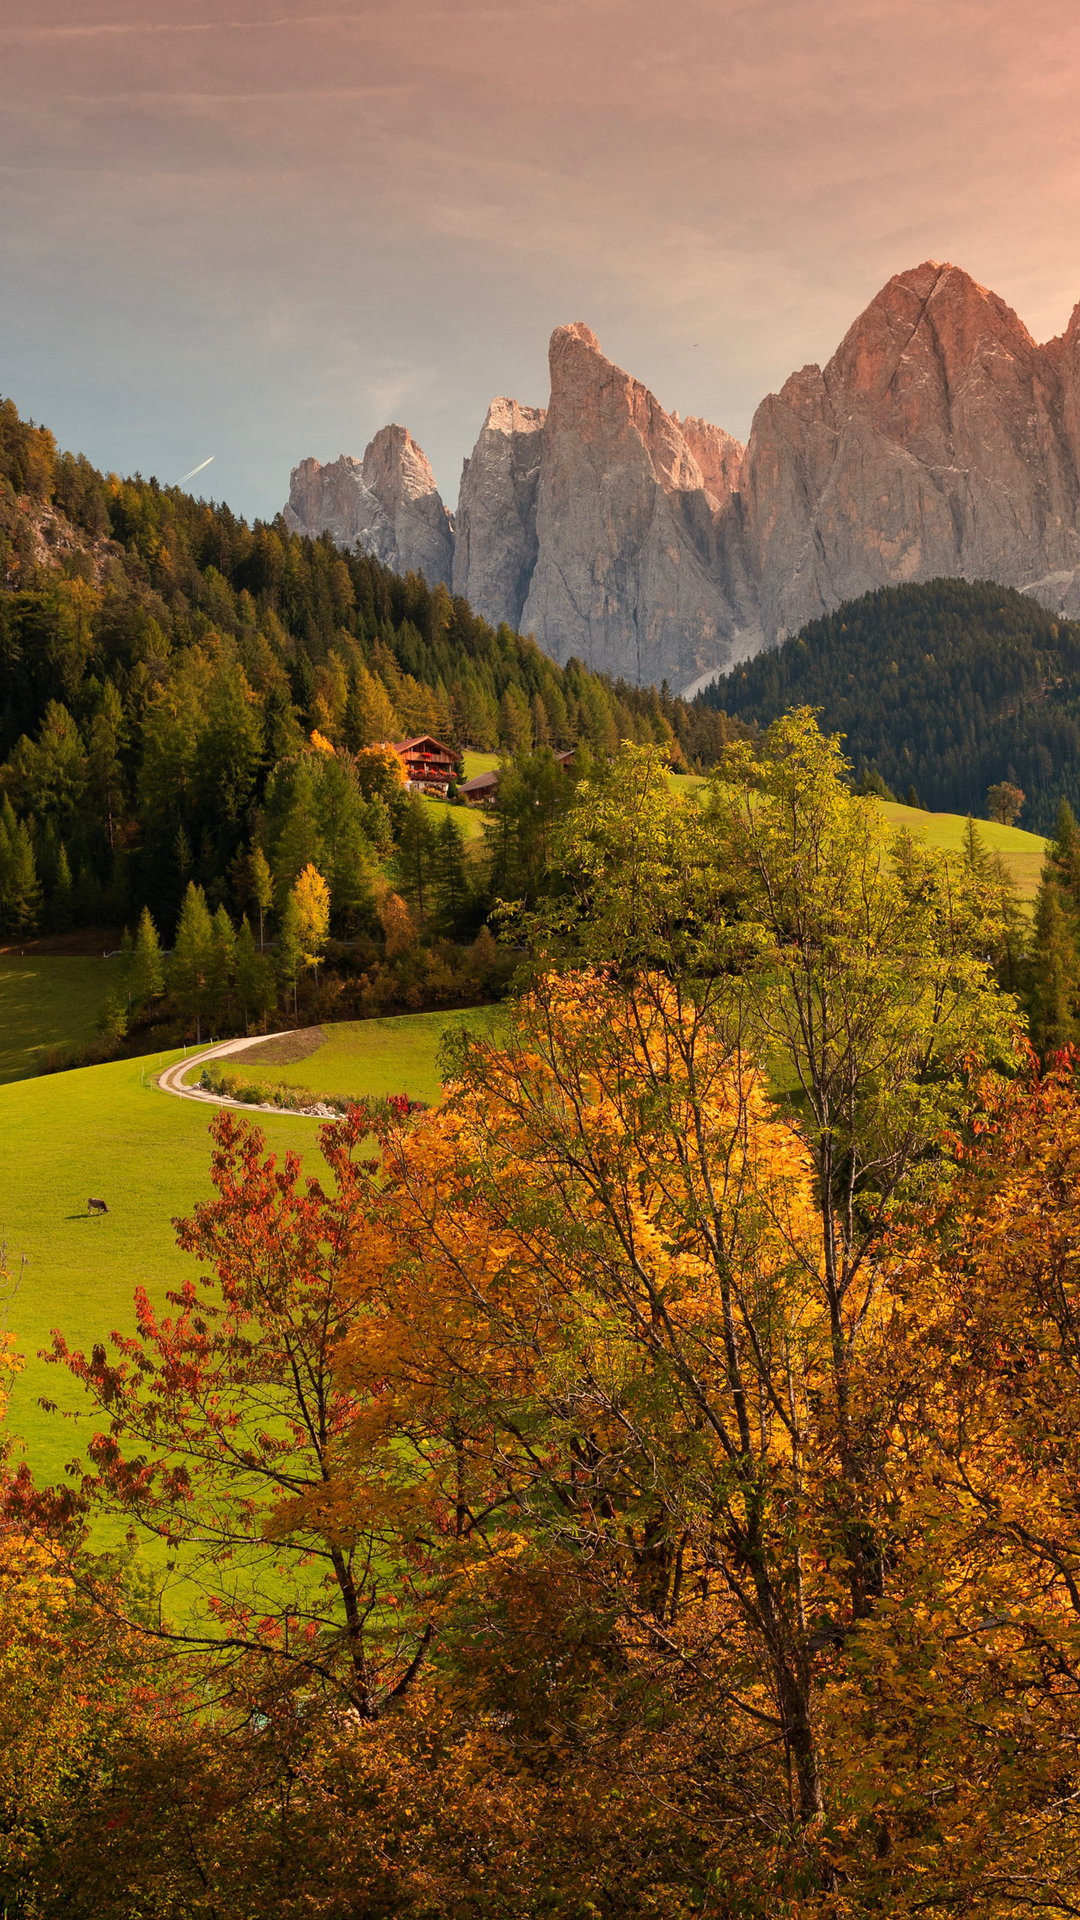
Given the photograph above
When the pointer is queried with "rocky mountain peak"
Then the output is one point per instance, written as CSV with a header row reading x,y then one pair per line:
x,y
938,439
495,525
387,505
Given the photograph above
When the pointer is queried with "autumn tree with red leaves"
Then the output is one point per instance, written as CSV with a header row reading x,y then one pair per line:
x,y
224,1417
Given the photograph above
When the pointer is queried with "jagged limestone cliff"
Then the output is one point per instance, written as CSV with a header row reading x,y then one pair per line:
x,y
939,439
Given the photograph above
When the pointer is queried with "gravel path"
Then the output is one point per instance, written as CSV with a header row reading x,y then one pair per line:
x,y
170,1079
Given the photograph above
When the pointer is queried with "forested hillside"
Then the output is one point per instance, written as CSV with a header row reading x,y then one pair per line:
x,y
164,667
948,687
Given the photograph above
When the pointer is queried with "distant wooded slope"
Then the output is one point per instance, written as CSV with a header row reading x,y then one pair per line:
x,y
947,687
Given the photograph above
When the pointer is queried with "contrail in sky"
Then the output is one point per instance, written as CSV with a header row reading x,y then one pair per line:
x,y
195,470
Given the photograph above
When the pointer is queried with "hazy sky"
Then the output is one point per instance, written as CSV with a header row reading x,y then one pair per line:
x,y
258,230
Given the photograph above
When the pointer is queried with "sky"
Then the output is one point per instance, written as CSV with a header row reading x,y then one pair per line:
x,y
258,229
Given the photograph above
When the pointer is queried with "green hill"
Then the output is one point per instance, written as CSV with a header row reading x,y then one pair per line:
x,y
106,1131
946,687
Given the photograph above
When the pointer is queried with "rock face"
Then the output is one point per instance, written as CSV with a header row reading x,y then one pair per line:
x,y
387,504
495,545
630,573
939,439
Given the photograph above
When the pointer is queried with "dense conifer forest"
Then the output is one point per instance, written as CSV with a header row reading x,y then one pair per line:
x,y
164,668
948,688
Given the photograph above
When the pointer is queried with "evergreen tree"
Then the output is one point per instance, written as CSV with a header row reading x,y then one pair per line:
x,y
412,864
20,892
262,887
254,977
191,962
221,972
532,793
1055,972
975,853
449,874
62,898
89,901
104,768
1064,855
290,949
147,966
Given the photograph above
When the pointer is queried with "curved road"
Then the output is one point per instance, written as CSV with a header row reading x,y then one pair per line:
x,y
170,1078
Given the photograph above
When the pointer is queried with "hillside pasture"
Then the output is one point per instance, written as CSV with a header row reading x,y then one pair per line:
x,y
48,1001
106,1131
1023,853
362,1057
102,1131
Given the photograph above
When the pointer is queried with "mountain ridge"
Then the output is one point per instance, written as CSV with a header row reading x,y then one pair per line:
x,y
939,439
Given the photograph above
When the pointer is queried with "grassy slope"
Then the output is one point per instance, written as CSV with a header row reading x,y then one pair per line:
x,y
475,763
1022,852
100,1131
469,819
48,1001
396,1055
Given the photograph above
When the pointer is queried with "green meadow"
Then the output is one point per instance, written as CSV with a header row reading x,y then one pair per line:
x,y
102,1131
364,1057
469,819
1023,853
48,1001
107,1132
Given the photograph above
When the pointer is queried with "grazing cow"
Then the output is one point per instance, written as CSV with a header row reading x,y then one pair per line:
x,y
97,1206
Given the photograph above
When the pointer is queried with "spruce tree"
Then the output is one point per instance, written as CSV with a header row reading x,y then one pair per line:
x,y
62,900
147,965
191,960
414,849
290,949
254,977
221,972
1055,972
1064,855
974,851
22,893
262,887
450,878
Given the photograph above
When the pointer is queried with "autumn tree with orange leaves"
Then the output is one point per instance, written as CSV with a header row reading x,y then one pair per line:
x,y
650,1487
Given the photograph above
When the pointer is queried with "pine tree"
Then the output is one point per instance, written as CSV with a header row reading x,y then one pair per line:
x,y
191,960
290,949
262,887
20,892
222,968
413,860
974,852
147,965
1055,972
450,880
254,977
62,901
104,771
1064,855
